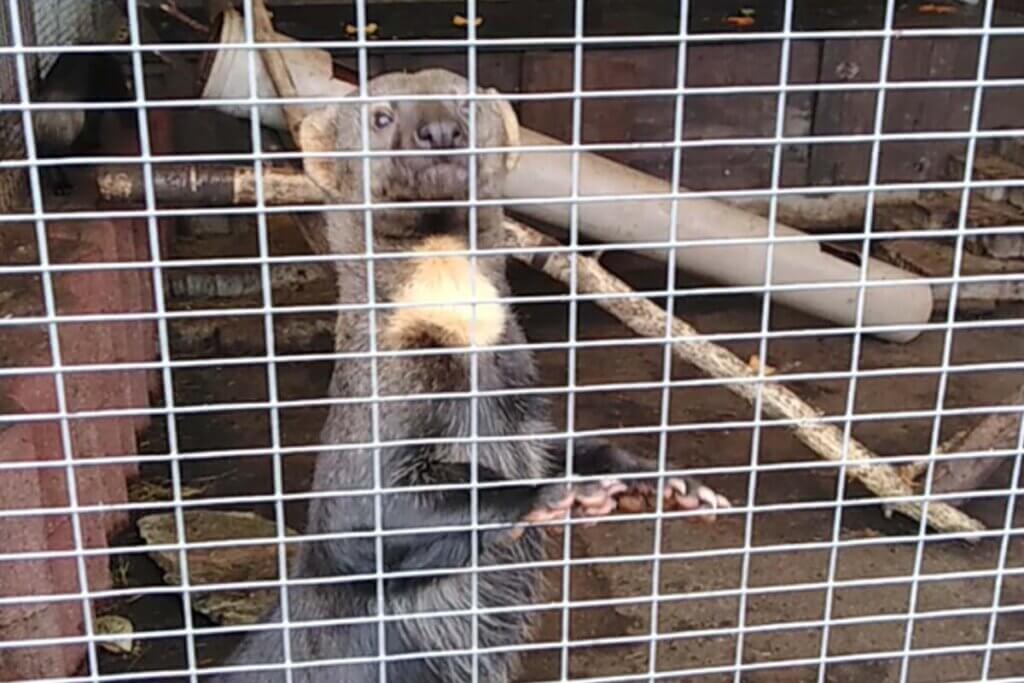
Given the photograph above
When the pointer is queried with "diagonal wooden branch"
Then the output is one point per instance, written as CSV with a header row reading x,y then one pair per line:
x,y
276,66
284,85
647,319
171,9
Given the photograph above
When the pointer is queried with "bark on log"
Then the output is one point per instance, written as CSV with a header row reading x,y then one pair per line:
x,y
822,214
225,185
197,185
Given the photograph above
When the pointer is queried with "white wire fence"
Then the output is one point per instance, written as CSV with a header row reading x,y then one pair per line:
x,y
805,577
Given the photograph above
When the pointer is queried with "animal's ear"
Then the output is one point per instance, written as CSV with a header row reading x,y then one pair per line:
x,y
511,124
325,131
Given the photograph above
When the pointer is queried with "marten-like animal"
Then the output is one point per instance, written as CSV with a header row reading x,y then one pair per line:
x,y
440,292
78,77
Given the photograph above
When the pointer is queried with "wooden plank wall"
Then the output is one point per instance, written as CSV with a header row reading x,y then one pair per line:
x,y
709,116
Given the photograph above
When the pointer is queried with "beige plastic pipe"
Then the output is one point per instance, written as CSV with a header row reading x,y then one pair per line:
x,y
226,74
793,263
540,175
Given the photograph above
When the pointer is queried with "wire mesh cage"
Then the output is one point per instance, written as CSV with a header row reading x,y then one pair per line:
x,y
420,340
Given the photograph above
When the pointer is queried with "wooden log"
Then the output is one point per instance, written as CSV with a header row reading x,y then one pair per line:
x,y
998,431
276,66
934,258
822,213
197,185
991,167
941,210
1009,198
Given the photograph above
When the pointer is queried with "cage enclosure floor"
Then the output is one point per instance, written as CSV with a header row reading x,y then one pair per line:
x,y
785,584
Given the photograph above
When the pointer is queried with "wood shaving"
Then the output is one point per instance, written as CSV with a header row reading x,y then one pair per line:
x,y
739,22
931,8
352,29
754,363
463,22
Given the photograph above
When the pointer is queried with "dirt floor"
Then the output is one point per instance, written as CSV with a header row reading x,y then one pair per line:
x,y
696,632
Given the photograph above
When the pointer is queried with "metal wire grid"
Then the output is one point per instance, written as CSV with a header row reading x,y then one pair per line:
x,y
272,360
58,22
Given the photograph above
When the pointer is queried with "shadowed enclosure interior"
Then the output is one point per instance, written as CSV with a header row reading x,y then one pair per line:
x,y
777,246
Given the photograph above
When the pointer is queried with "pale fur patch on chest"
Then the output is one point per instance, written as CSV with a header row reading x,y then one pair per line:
x,y
451,304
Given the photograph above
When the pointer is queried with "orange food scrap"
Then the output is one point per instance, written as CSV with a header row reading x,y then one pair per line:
x,y
932,8
754,363
739,22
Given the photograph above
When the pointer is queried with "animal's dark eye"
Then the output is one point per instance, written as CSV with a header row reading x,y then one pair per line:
x,y
382,119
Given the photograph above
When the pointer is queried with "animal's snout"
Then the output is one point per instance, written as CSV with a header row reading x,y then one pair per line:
x,y
444,134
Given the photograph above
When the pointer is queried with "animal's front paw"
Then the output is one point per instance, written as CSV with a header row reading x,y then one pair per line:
x,y
680,493
553,504
556,502
598,498
686,493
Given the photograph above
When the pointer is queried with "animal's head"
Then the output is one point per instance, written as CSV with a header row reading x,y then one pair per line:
x,y
429,134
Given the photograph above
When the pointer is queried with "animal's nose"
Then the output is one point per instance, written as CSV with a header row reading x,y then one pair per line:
x,y
439,135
